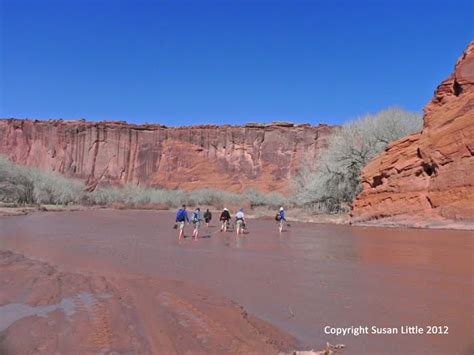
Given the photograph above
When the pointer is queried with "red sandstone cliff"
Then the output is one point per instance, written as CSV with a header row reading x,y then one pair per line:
x,y
113,153
430,174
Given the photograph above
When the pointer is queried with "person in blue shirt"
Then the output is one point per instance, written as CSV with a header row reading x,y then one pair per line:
x,y
280,217
181,219
197,218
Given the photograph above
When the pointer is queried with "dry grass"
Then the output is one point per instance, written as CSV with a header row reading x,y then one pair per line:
x,y
148,206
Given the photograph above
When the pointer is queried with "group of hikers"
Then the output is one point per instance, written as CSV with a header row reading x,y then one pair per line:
x,y
226,220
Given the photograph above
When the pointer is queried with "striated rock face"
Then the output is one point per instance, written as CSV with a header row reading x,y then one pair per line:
x,y
430,174
115,153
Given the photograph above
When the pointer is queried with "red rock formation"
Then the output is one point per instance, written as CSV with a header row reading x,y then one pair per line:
x,y
115,153
430,174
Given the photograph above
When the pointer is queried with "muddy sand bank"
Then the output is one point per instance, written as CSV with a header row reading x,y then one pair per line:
x,y
309,277
47,311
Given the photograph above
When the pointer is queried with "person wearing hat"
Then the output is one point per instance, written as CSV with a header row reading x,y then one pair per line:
x,y
225,218
280,218
240,221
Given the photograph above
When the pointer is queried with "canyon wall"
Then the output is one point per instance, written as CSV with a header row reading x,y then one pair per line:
x,y
430,174
230,158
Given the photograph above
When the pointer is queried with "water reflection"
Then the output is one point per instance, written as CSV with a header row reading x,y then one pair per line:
x,y
431,249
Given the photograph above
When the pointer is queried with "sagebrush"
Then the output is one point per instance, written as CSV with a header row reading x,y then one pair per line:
x,y
26,186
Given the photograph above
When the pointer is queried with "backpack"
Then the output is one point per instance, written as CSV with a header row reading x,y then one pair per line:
x,y
225,216
277,216
181,216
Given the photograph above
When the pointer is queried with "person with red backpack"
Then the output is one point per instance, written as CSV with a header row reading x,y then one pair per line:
x,y
181,219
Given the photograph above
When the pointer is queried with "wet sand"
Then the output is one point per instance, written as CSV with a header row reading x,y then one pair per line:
x,y
44,310
309,277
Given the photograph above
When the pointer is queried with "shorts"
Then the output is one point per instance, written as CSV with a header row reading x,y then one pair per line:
x,y
239,223
207,220
180,225
197,225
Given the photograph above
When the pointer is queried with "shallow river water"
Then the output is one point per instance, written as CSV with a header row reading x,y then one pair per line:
x,y
309,281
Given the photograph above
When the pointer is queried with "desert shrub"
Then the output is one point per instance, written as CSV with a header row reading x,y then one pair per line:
x,y
16,184
104,196
136,196
212,197
335,182
275,200
127,195
254,197
170,198
52,188
24,185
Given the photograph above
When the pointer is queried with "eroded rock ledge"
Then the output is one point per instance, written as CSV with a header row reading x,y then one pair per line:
x,y
429,175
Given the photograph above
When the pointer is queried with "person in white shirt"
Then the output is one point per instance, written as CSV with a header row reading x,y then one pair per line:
x,y
240,221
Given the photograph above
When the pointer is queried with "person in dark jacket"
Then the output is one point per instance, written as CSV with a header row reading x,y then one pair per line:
x,y
225,218
207,217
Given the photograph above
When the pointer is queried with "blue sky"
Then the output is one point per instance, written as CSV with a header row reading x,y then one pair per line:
x,y
214,62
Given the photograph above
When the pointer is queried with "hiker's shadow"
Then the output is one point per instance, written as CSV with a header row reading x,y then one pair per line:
x,y
205,236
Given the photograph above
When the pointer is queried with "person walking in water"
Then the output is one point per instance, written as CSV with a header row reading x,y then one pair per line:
x,y
240,221
225,218
197,218
280,218
181,219
207,217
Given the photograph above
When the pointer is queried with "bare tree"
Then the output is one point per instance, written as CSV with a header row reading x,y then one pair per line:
x,y
333,185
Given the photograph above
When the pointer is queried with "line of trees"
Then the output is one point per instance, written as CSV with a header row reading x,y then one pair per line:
x,y
20,185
